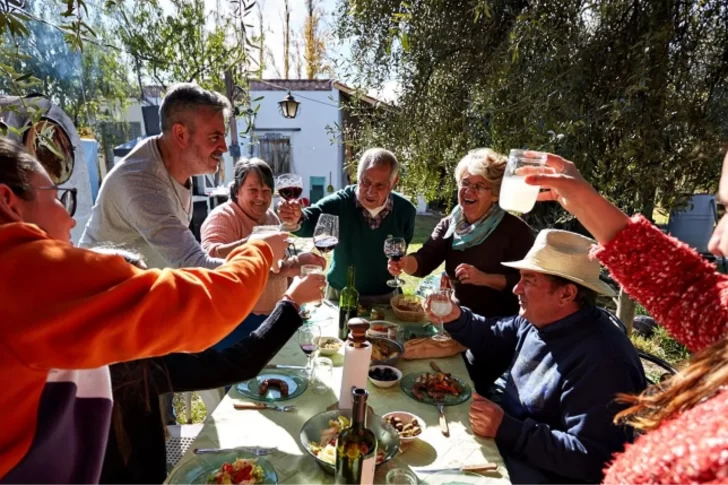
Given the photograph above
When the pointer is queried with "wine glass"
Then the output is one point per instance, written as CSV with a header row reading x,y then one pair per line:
x,y
441,305
326,235
289,187
308,338
395,249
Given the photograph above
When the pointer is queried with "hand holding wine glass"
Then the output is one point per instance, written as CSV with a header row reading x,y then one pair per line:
x,y
395,248
290,187
439,304
308,337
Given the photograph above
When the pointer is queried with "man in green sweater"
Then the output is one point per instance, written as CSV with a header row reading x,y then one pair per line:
x,y
368,213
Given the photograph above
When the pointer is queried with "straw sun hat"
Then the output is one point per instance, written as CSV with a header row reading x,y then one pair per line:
x,y
564,254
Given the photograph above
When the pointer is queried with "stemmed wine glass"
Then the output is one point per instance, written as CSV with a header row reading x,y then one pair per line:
x,y
395,249
326,235
308,339
441,305
289,187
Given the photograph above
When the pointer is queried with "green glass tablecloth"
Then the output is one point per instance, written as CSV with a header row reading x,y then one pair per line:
x,y
229,428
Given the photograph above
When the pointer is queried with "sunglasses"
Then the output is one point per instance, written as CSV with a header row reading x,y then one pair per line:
x,y
68,197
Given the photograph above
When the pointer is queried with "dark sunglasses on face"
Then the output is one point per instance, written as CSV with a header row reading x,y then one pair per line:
x,y
66,196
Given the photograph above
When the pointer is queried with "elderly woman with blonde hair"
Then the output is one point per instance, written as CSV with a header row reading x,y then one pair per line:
x,y
474,239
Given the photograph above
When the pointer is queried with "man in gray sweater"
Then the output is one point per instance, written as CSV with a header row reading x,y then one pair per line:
x,y
145,202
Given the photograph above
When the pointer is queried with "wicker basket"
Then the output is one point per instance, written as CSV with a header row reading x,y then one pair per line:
x,y
404,315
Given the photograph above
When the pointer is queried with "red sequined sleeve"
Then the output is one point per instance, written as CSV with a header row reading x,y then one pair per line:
x,y
683,292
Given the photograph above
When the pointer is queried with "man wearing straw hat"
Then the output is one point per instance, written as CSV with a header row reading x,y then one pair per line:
x,y
568,361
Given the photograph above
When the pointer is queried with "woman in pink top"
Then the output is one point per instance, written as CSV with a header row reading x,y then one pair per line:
x,y
229,225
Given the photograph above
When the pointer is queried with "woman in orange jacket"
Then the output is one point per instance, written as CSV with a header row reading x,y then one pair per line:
x,y
65,313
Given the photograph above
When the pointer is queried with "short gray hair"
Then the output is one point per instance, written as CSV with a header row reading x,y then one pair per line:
x,y
376,157
484,162
183,98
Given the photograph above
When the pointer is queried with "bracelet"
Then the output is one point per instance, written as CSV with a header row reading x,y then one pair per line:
x,y
288,299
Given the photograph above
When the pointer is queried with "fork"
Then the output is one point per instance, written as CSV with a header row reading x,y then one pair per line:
x,y
256,450
440,403
260,405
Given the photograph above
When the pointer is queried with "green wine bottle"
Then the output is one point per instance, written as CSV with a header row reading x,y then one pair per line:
x,y
356,446
348,304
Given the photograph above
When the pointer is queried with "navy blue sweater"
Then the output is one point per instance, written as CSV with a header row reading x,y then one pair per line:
x,y
559,394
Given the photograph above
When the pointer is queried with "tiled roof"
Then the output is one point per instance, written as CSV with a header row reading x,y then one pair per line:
x,y
291,84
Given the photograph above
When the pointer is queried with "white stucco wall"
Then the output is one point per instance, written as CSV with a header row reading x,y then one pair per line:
x,y
133,112
313,152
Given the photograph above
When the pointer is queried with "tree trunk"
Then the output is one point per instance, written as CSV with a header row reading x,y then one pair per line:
x,y
286,40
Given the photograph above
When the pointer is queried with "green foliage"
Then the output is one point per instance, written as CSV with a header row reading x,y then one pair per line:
x,y
45,58
183,47
633,92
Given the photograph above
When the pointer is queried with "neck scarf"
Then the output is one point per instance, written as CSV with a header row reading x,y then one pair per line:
x,y
466,235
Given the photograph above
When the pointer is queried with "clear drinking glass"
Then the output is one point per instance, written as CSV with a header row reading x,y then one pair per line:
x,y
515,193
395,248
289,186
401,476
322,373
441,305
308,337
269,230
308,269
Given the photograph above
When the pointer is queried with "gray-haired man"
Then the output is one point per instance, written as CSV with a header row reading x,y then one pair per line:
x,y
145,202
368,213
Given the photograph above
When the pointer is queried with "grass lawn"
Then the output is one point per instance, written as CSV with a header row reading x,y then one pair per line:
x,y
423,228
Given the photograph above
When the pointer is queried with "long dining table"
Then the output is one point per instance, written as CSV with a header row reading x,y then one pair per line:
x,y
227,427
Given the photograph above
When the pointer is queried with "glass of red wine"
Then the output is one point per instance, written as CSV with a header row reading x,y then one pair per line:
x,y
289,187
395,248
308,338
326,233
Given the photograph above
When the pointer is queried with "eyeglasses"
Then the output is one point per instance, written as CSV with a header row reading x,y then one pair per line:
x,y
67,197
479,188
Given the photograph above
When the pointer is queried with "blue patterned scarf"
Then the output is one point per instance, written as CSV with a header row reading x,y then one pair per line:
x,y
466,235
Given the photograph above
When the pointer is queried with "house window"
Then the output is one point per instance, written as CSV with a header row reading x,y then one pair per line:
x,y
276,150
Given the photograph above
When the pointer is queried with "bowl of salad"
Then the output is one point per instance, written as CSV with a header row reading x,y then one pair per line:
x,y
318,437
235,467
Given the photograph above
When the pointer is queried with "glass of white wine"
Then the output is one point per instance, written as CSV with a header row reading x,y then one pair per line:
x,y
441,306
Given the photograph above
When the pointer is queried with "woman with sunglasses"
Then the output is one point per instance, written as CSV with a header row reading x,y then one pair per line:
x,y
67,312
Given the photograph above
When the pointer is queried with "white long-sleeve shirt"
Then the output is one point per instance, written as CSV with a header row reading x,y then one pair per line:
x,y
142,208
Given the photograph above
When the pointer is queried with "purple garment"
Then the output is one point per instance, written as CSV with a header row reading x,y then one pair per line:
x,y
74,415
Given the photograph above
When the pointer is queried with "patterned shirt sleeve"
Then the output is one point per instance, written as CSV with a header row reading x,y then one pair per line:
x,y
683,292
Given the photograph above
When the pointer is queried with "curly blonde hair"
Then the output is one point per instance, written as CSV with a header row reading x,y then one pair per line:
x,y
485,162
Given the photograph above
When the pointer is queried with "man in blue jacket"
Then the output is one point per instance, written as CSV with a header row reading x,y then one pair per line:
x,y
568,362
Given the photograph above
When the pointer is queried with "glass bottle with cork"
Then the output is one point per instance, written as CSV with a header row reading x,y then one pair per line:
x,y
445,283
348,303
356,446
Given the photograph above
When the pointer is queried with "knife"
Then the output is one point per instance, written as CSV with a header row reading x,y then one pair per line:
x,y
330,305
285,366
260,405
483,467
